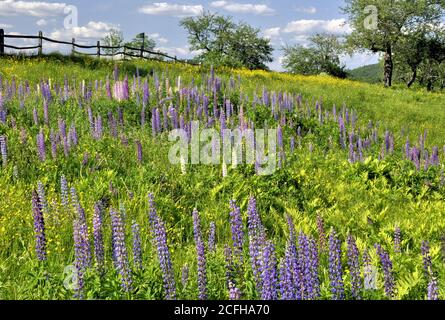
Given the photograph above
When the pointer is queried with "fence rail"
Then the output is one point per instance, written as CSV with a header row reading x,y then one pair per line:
x,y
124,50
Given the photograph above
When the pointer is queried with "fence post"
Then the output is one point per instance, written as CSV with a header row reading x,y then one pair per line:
x,y
176,59
98,49
2,41
73,47
142,47
40,43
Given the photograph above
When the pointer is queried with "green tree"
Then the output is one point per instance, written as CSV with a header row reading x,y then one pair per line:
x,y
114,38
141,41
379,25
322,56
221,41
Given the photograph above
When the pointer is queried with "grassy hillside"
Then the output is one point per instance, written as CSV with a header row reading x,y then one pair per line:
x,y
370,73
343,168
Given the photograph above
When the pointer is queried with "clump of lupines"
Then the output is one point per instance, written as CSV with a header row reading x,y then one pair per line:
x,y
98,236
388,275
39,227
433,289
120,250
257,239
160,237
41,149
234,292
269,288
308,283
201,256
64,191
335,267
137,248
80,260
236,225
4,150
354,268
290,272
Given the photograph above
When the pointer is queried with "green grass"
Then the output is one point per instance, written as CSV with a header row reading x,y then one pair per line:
x,y
367,199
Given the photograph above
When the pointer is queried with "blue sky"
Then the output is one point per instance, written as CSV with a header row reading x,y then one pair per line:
x,y
284,21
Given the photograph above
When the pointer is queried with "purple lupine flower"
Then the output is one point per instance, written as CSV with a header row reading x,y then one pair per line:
x,y
256,242
39,227
160,237
146,94
4,150
45,112
427,261
234,292
305,289
98,128
202,264
41,146
139,150
335,267
236,224
354,268
120,250
388,275
269,273
79,258
290,275
98,237
42,199
3,113
433,289
73,135
53,141
407,149
64,191
35,116
137,249
228,258
397,240
112,125
211,245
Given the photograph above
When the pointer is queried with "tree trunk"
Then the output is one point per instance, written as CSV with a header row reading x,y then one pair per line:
x,y
413,78
388,67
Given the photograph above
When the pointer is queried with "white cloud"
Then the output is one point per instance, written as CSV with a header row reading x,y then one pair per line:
x,y
92,30
5,26
179,51
41,22
157,37
308,27
272,32
258,9
171,9
35,9
310,10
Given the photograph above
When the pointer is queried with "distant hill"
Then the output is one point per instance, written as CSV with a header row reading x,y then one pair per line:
x,y
371,73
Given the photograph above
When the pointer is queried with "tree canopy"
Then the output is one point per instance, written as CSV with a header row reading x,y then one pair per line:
x,y
321,56
221,41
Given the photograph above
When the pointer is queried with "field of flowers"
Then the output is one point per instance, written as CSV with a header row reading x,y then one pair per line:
x,y
91,207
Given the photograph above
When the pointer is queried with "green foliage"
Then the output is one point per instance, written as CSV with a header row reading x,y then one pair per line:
x,y
115,38
322,56
222,42
367,199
